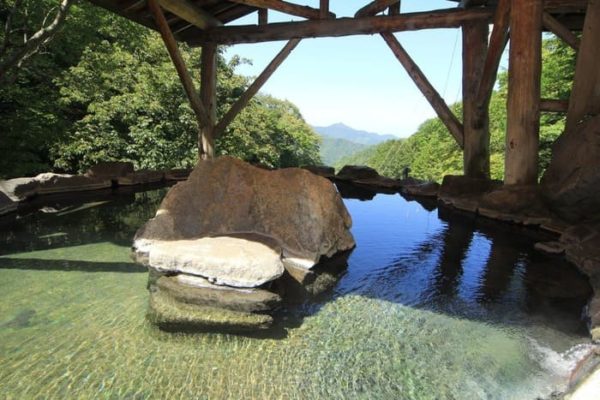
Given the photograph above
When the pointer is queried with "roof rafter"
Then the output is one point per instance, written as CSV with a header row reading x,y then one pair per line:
x,y
285,7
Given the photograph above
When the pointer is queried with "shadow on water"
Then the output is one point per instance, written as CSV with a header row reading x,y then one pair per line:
x,y
33,264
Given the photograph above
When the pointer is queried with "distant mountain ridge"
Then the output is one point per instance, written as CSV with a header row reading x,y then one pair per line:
x,y
341,131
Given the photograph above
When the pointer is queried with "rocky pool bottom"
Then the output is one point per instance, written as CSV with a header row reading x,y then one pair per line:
x,y
432,306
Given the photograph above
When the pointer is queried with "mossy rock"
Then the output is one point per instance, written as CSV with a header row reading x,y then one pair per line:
x,y
170,314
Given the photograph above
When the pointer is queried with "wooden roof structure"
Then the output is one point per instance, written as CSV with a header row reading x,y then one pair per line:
x,y
209,23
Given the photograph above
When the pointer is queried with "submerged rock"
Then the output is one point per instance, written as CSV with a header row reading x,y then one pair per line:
x,y
171,314
196,290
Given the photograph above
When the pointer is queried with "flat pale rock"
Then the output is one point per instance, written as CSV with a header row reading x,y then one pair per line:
x,y
19,189
141,177
110,169
49,183
222,260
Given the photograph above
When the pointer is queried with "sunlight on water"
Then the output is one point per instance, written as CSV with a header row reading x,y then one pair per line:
x,y
431,307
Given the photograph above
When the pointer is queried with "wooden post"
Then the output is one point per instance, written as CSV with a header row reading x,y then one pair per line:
x,y
208,94
524,71
419,78
394,9
263,16
324,9
184,76
585,96
476,154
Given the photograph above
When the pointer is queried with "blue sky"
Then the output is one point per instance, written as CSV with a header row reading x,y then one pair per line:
x,y
357,80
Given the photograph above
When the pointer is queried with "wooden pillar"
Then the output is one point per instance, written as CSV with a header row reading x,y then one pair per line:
x,y
324,9
476,154
585,96
524,71
208,94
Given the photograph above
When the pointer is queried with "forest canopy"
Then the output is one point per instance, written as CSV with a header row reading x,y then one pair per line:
x,y
105,90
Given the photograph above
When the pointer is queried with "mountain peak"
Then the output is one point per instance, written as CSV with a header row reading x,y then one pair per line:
x,y
342,131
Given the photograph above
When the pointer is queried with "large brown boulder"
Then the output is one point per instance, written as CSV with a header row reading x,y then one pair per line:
x,y
571,182
302,212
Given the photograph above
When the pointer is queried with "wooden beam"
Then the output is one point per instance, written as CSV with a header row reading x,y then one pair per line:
x,y
255,87
561,31
452,18
498,41
324,9
190,12
585,96
523,114
285,7
263,16
553,105
394,9
208,95
184,76
436,101
476,154
374,7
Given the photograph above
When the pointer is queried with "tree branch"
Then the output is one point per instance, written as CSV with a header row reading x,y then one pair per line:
x,y
32,45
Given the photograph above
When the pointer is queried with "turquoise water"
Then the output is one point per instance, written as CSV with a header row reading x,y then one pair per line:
x,y
432,306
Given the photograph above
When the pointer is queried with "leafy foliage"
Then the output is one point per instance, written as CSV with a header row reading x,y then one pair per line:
x,y
106,90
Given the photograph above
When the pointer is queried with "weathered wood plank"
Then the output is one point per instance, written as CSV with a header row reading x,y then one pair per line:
x,y
263,16
476,152
394,9
452,18
498,41
434,98
190,12
184,76
553,105
585,96
374,7
561,31
523,114
208,95
285,7
255,87
324,9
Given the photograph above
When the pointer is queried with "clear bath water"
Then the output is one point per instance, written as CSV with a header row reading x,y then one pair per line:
x,y
432,306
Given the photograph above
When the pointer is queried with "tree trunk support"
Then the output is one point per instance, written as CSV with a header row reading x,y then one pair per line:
x,y
585,96
522,135
186,80
434,98
561,31
375,7
208,94
498,41
255,87
476,154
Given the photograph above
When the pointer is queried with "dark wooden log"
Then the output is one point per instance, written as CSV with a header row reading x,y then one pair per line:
x,y
452,18
585,96
285,7
255,87
190,12
184,76
263,16
561,31
434,98
496,47
552,105
324,9
522,135
394,9
208,94
476,153
374,7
